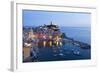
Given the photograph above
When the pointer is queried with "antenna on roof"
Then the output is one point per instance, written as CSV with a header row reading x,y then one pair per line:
x,y
51,23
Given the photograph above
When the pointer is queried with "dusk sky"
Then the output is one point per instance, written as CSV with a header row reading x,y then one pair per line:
x,y
69,19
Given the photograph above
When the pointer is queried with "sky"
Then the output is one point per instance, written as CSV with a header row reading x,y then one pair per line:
x,y
68,19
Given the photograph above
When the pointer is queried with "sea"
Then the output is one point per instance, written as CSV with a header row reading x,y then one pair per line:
x,y
68,51
82,34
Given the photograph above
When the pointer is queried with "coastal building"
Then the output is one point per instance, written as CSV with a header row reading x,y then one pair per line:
x,y
47,35
41,36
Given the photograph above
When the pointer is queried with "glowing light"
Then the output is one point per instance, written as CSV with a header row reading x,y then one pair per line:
x,y
50,43
50,37
44,43
60,43
57,43
44,37
33,36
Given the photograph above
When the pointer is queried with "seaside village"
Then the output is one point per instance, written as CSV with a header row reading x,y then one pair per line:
x,y
44,36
